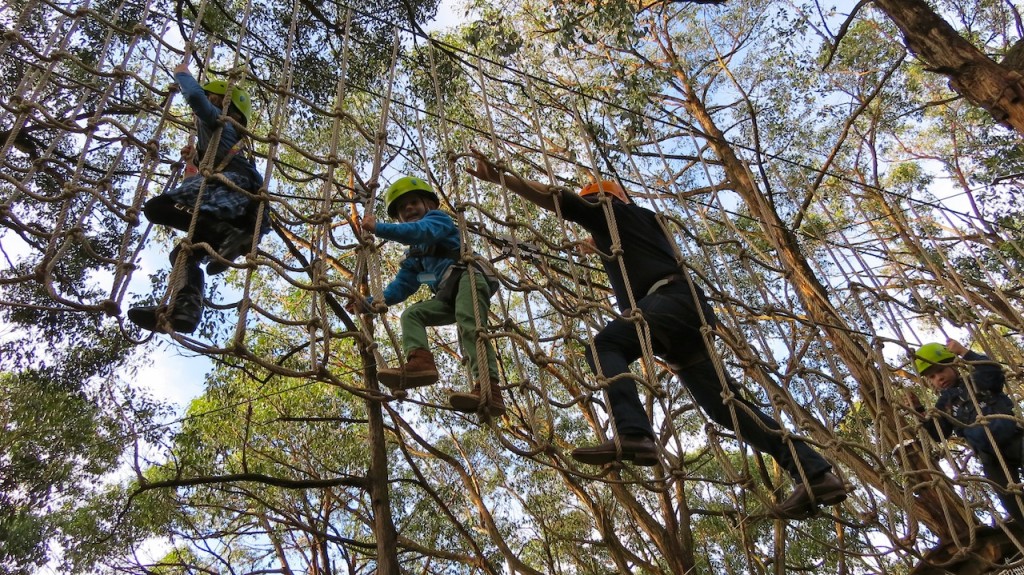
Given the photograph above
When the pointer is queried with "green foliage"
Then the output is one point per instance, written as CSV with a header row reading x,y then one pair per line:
x,y
846,140
57,445
491,36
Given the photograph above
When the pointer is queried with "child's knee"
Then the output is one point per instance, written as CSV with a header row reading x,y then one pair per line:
x,y
413,313
156,207
164,211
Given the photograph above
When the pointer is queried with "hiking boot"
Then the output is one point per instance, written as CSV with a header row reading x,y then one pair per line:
x,y
234,242
827,489
418,371
639,449
184,312
472,402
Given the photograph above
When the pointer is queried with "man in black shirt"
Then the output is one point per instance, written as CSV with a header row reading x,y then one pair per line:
x,y
648,274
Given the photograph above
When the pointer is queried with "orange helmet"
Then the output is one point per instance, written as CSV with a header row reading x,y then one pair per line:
x,y
607,186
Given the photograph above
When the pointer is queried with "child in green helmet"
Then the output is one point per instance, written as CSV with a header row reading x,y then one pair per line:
x,y
995,439
224,200
461,295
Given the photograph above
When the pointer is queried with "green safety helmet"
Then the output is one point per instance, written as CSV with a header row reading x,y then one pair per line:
x,y
239,97
930,355
403,186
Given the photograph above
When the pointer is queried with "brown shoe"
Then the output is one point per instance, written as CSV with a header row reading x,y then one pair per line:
x,y
827,489
471,402
641,450
418,371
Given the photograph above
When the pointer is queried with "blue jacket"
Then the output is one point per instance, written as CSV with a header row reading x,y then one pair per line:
x,y
208,117
959,411
433,247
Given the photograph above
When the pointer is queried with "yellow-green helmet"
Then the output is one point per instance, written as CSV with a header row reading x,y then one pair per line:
x,y
932,354
403,186
239,97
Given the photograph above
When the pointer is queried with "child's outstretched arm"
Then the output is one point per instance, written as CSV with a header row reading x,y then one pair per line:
x,y
986,374
403,285
196,96
956,347
431,228
535,192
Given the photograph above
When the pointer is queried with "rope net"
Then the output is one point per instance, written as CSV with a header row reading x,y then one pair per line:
x,y
825,279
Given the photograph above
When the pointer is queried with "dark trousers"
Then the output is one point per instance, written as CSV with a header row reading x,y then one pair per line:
x,y
674,322
1011,451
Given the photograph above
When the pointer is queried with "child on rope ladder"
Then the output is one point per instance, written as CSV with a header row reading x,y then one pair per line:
x,y
433,259
671,313
997,440
227,210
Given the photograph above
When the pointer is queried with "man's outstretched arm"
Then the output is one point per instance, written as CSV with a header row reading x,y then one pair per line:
x,y
536,192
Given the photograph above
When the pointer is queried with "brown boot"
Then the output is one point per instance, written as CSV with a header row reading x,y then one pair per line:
x,y
471,402
418,371
827,489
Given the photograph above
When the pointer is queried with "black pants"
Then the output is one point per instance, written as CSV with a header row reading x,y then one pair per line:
x,y
674,323
1002,476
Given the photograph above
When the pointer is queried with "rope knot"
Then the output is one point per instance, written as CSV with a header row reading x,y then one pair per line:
x,y
110,307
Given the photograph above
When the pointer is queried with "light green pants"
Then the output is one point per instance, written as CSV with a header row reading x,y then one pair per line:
x,y
433,312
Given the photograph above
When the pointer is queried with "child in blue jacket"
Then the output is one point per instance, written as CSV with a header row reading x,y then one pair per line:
x,y
433,259
962,401
227,208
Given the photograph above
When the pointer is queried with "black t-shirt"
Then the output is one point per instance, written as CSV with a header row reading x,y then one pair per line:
x,y
646,250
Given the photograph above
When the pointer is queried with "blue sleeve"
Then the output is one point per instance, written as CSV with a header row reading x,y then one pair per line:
x,y
986,375
940,426
435,226
196,98
405,284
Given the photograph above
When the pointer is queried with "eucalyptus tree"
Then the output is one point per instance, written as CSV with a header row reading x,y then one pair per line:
x,y
809,135
82,135
957,42
794,154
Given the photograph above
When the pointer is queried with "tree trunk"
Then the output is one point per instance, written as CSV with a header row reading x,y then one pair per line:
x,y
996,88
377,476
